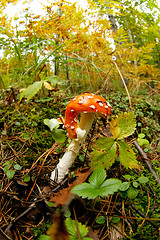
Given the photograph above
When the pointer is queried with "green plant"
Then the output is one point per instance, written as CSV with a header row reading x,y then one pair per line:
x,y
34,88
106,148
97,186
72,230
11,172
130,188
141,140
58,134
39,232
101,219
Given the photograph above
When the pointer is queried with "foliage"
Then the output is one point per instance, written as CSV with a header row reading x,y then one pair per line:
x,y
58,134
141,140
34,88
72,230
39,232
23,130
74,44
97,186
10,172
130,188
105,149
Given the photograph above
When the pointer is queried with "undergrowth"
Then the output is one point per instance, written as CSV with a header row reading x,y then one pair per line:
x,y
28,149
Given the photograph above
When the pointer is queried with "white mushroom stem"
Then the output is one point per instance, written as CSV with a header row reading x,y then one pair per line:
x,y
72,151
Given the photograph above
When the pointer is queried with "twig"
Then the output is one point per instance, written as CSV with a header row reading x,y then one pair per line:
x,y
38,173
149,165
19,217
78,232
144,216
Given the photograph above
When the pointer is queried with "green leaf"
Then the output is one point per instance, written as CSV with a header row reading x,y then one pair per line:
x,y
123,126
10,173
135,184
17,123
31,90
59,135
97,186
26,136
115,219
7,163
85,190
100,220
128,177
104,153
109,187
127,155
132,192
143,179
26,178
97,178
50,204
17,167
124,186
52,123
44,237
54,80
5,169
143,142
141,135
72,229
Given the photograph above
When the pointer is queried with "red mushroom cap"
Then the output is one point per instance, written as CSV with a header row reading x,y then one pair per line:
x,y
84,103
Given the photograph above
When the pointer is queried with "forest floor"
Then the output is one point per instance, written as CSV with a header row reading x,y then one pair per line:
x,y
30,202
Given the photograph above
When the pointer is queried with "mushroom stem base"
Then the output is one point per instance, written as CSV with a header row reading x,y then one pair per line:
x,y
72,151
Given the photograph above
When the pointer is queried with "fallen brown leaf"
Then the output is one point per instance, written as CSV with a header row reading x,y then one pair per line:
x,y
61,197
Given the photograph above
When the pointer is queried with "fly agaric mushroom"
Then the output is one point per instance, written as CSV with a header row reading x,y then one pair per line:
x,y
87,104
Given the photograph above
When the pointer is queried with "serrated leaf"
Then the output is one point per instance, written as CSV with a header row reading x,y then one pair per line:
x,y
109,186
50,204
44,237
31,90
123,126
97,186
104,153
72,229
127,155
97,177
85,190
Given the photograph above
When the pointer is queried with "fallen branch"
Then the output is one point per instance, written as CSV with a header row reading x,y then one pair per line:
x,y
149,165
